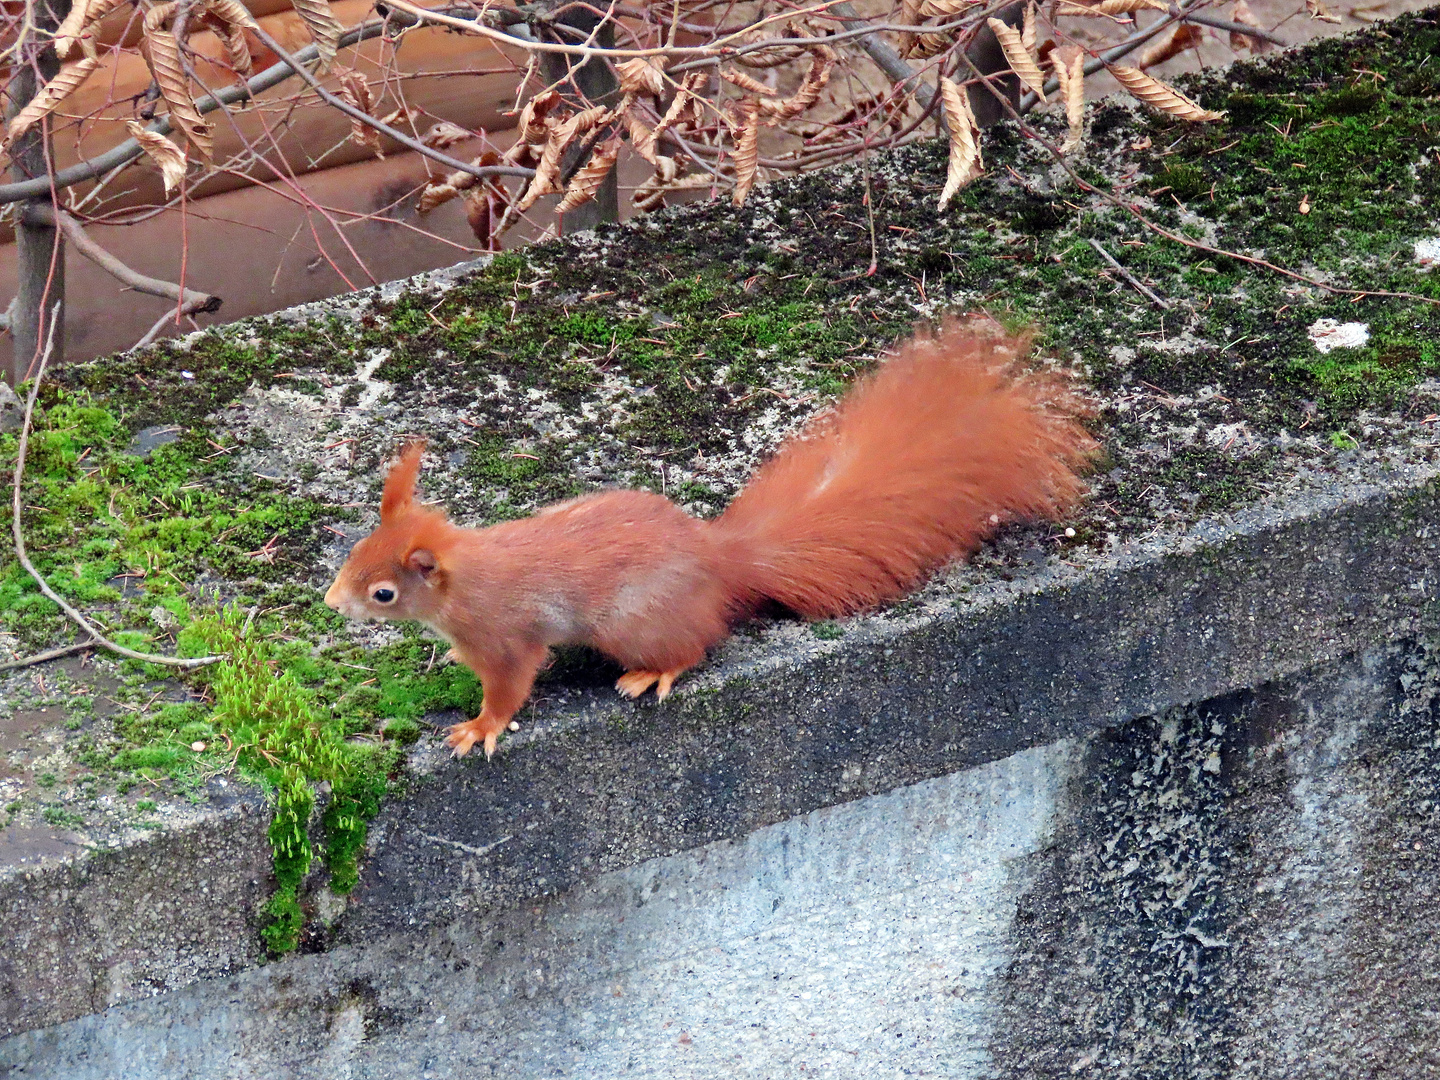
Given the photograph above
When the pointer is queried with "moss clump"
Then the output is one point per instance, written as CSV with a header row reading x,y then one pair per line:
x,y
277,730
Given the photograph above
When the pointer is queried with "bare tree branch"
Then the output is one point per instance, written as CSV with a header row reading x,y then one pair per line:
x,y
130,149
85,244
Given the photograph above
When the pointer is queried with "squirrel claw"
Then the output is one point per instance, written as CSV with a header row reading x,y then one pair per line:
x,y
464,736
634,683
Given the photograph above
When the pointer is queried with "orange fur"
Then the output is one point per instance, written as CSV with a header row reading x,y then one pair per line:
x,y
916,466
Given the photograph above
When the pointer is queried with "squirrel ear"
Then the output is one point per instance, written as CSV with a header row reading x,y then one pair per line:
x,y
423,562
400,481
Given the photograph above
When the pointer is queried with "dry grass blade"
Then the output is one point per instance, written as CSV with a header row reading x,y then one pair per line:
x,y
1318,11
591,175
162,53
641,76
162,151
325,29
355,89
1158,95
1018,57
965,163
1185,36
746,131
1110,8
50,96
443,134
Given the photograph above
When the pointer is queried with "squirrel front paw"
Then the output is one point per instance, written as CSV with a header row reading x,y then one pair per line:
x,y
482,729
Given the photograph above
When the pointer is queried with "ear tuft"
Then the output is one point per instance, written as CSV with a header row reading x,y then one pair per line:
x,y
423,562
400,481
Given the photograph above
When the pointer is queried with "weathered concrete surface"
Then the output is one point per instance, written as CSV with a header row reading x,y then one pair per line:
x,y
82,934
1244,887
781,729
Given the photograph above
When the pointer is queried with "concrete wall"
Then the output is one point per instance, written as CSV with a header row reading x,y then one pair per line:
x,y
1241,887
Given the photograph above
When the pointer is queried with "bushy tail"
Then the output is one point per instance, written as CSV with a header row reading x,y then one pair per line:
x,y
916,466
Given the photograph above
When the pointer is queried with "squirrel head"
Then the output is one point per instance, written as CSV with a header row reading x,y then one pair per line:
x,y
396,572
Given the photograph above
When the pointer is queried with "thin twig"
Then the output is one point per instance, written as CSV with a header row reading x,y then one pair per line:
x,y
125,152
84,243
385,129
1130,278
84,623
48,654
1236,28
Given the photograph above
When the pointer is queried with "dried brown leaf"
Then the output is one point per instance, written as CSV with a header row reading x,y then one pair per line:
x,y
642,138
745,82
439,194
232,12
683,110
1109,8
230,19
162,151
1027,28
652,192
1242,14
354,89
641,76
745,130
547,174
944,9
533,126
591,175
443,134
162,53
76,27
1071,77
807,93
51,95
324,27
1158,95
1018,57
1318,11
965,162
1185,36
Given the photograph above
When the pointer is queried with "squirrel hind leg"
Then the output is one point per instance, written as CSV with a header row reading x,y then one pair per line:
x,y
634,683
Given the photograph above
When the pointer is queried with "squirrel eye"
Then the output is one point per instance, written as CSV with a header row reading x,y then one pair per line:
x,y
383,595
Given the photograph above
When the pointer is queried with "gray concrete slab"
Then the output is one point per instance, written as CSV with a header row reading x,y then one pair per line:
x,y
1241,887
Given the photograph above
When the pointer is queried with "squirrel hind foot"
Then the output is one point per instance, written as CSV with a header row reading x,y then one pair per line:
x,y
634,683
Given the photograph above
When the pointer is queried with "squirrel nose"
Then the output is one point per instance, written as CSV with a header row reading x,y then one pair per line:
x,y
332,595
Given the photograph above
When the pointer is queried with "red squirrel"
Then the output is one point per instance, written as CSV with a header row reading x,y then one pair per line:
x,y
914,467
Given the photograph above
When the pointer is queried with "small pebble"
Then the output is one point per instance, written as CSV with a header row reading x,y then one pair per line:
x,y
198,747
514,725
1070,532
